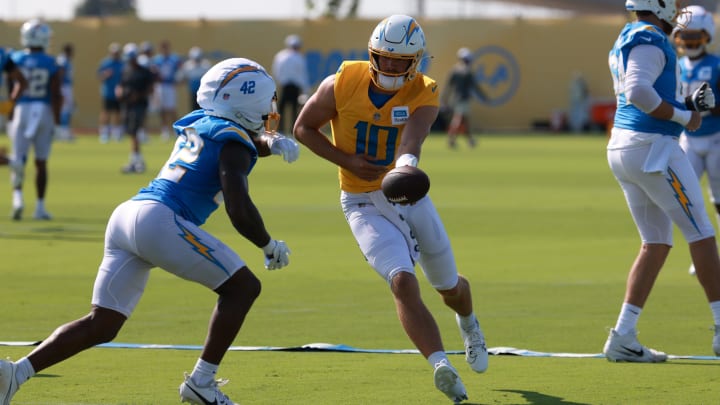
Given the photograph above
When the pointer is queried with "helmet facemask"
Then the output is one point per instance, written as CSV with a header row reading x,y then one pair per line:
x,y
692,42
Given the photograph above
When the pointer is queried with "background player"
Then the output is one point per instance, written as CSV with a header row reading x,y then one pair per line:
x,y
36,113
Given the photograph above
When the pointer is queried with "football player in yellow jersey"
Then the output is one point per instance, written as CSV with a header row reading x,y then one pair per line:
x,y
380,112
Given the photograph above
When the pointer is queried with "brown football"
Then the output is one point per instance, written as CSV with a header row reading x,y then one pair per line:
x,y
405,185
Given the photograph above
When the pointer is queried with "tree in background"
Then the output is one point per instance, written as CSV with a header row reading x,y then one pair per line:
x,y
333,8
104,8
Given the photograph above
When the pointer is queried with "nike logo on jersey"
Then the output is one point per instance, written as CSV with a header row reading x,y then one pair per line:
x,y
638,353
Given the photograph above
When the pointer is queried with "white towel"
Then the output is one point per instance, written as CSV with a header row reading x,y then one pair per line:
x,y
659,155
393,215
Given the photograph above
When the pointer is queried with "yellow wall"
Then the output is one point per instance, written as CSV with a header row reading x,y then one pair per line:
x,y
526,64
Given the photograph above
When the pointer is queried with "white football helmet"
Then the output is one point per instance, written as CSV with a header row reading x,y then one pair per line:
x,y
240,90
665,10
399,37
35,34
695,30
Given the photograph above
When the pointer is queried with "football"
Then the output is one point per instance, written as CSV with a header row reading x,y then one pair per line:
x,y
405,185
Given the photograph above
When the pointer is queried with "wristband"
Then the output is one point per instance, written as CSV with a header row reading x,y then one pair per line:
x,y
406,159
682,117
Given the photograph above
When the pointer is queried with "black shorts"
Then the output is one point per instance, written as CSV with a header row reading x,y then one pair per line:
x,y
134,117
111,104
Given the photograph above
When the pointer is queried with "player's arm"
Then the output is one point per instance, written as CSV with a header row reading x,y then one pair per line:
x,y
56,98
235,162
317,112
18,80
644,65
414,134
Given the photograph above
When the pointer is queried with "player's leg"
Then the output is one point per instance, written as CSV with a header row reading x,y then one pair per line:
x,y
199,257
387,251
43,143
438,264
20,148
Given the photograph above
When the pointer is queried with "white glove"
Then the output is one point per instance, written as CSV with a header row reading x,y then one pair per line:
x,y
276,254
282,145
702,99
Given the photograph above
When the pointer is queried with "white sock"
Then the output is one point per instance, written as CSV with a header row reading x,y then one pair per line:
x,y
467,323
204,373
135,157
40,206
24,370
715,308
17,198
628,318
437,357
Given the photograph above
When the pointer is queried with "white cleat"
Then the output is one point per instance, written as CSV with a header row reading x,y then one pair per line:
x,y
476,353
208,395
17,213
619,348
691,270
8,383
448,381
42,215
716,341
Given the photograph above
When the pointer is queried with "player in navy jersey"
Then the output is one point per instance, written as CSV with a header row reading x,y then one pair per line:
x,y
36,113
693,35
215,151
659,183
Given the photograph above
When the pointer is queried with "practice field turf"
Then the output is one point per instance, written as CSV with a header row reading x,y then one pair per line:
x,y
539,227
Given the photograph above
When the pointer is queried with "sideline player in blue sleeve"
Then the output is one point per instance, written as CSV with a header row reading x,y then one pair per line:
x,y
215,151
659,183
694,33
110,74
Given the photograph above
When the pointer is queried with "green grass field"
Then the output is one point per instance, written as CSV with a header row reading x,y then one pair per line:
x,y
539,227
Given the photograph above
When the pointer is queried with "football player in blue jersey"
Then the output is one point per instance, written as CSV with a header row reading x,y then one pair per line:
x,y
659,183
167,66
65,62
216,149
36,113
693,35
110,74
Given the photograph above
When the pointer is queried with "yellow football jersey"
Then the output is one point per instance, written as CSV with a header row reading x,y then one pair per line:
x,y
364,129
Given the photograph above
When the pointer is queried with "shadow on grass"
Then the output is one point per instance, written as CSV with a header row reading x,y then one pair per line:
x,y
537,398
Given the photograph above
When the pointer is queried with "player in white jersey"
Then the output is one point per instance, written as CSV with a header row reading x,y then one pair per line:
x,y
216,149
660,185
36,113
694,33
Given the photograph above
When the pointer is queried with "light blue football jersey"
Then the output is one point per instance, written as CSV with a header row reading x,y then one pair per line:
x,y
628,116
693,73
66,64
107,87
38,68
167,67
189,182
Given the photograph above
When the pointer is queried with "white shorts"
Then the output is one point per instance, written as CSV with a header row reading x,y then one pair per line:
x,y
704,155
167,96
659,199
32,126
391,236
141,235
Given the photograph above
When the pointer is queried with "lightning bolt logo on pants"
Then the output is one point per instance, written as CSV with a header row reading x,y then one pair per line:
x,y
681,197
197,245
